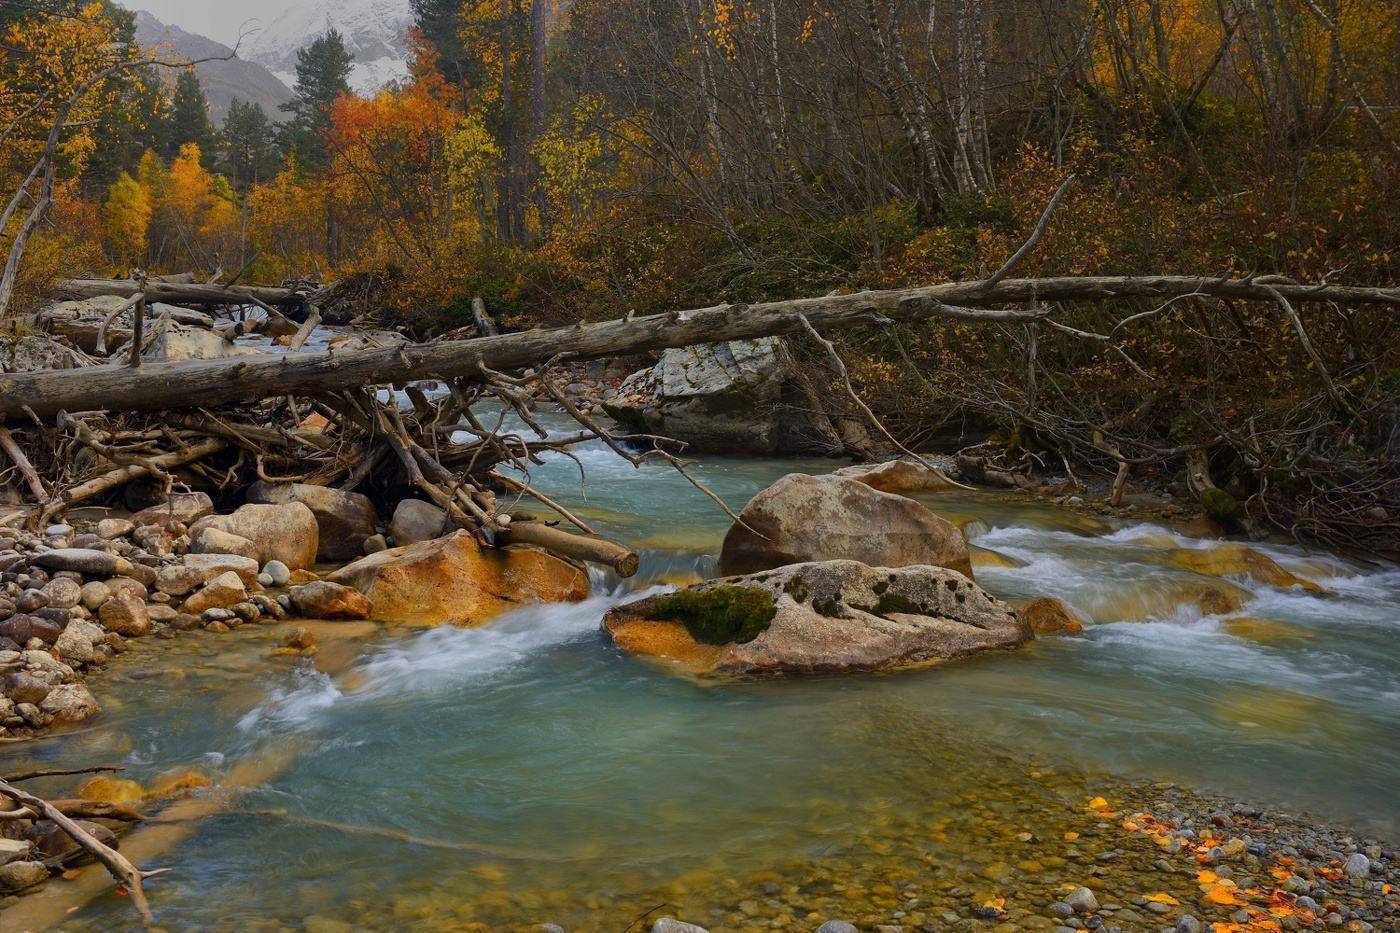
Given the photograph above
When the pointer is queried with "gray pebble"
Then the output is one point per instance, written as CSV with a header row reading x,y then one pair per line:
x,y
1082,900
1188,924
1358,866
832,926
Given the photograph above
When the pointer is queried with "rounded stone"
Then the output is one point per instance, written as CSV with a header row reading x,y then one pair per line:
x,y
1082,900
19,876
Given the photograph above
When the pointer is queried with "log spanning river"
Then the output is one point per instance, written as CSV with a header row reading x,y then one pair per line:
x,y
529,771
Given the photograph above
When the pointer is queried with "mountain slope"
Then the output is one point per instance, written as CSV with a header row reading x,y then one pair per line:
x,y
222,80
373,30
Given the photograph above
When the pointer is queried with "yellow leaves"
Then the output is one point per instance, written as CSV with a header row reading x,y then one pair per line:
x,y
1071,836
1161,899
125,218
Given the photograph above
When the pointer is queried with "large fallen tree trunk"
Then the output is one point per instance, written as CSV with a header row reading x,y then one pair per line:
x,y
185,293
159,386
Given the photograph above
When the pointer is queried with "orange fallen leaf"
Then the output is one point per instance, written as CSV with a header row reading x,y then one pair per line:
x,y
73,909
1098,803
1207,877
996,903
1386,889
1162,899
1071,836
72,873
1223,895
1130,825
121,889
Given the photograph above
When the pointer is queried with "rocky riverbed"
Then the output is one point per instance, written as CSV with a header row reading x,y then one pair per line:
x,y
1001,845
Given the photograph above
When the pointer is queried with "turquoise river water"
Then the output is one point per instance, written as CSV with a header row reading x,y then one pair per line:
x,y
529,771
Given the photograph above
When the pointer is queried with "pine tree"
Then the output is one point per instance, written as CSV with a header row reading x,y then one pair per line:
x,y
189,116
323,72
249,153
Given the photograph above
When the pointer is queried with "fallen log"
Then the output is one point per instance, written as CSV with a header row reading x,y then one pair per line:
x,y
158,386
593,550
185,292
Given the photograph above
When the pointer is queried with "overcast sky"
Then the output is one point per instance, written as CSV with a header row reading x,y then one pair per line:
x,y
220,20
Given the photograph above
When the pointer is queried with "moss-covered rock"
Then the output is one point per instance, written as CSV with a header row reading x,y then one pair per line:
x,y
721,616
1223,506
824,617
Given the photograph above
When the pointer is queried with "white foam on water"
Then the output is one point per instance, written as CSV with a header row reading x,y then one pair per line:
x,y
433,660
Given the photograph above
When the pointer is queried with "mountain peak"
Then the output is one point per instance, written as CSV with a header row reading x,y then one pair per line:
x,y
222,80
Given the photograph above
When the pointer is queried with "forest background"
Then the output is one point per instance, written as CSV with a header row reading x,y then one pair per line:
x,y
577,162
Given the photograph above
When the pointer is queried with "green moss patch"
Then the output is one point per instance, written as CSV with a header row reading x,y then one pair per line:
x,y
1223,506
721,615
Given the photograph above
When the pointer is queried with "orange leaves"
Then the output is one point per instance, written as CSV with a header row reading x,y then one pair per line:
x,y
1161,899
1220,894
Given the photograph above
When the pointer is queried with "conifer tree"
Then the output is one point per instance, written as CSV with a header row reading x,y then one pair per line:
x,y
323,73
189,116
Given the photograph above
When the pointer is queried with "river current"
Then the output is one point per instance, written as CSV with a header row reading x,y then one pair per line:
x,y
529,771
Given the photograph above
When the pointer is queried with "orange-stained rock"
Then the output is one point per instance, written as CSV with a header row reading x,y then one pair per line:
x,y
173,782
804,518
1266,631
1222,560
455,581
1047,616
110,789
1217,602
668,641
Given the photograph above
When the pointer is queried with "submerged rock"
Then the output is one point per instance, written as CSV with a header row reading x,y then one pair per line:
x,y
818,518
1047,616
1220,560
452,580
834,617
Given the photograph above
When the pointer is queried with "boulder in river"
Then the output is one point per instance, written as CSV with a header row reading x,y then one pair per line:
x,y
287,532
1230,559
838,616
453,580
902,477
735,396
345,519
804,518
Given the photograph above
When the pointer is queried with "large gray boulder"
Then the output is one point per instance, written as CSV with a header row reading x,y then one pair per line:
x,y
837,616
736,396
813,518
345,519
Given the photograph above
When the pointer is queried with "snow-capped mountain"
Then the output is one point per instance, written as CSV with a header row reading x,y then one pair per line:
x,y
222,80
374,33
